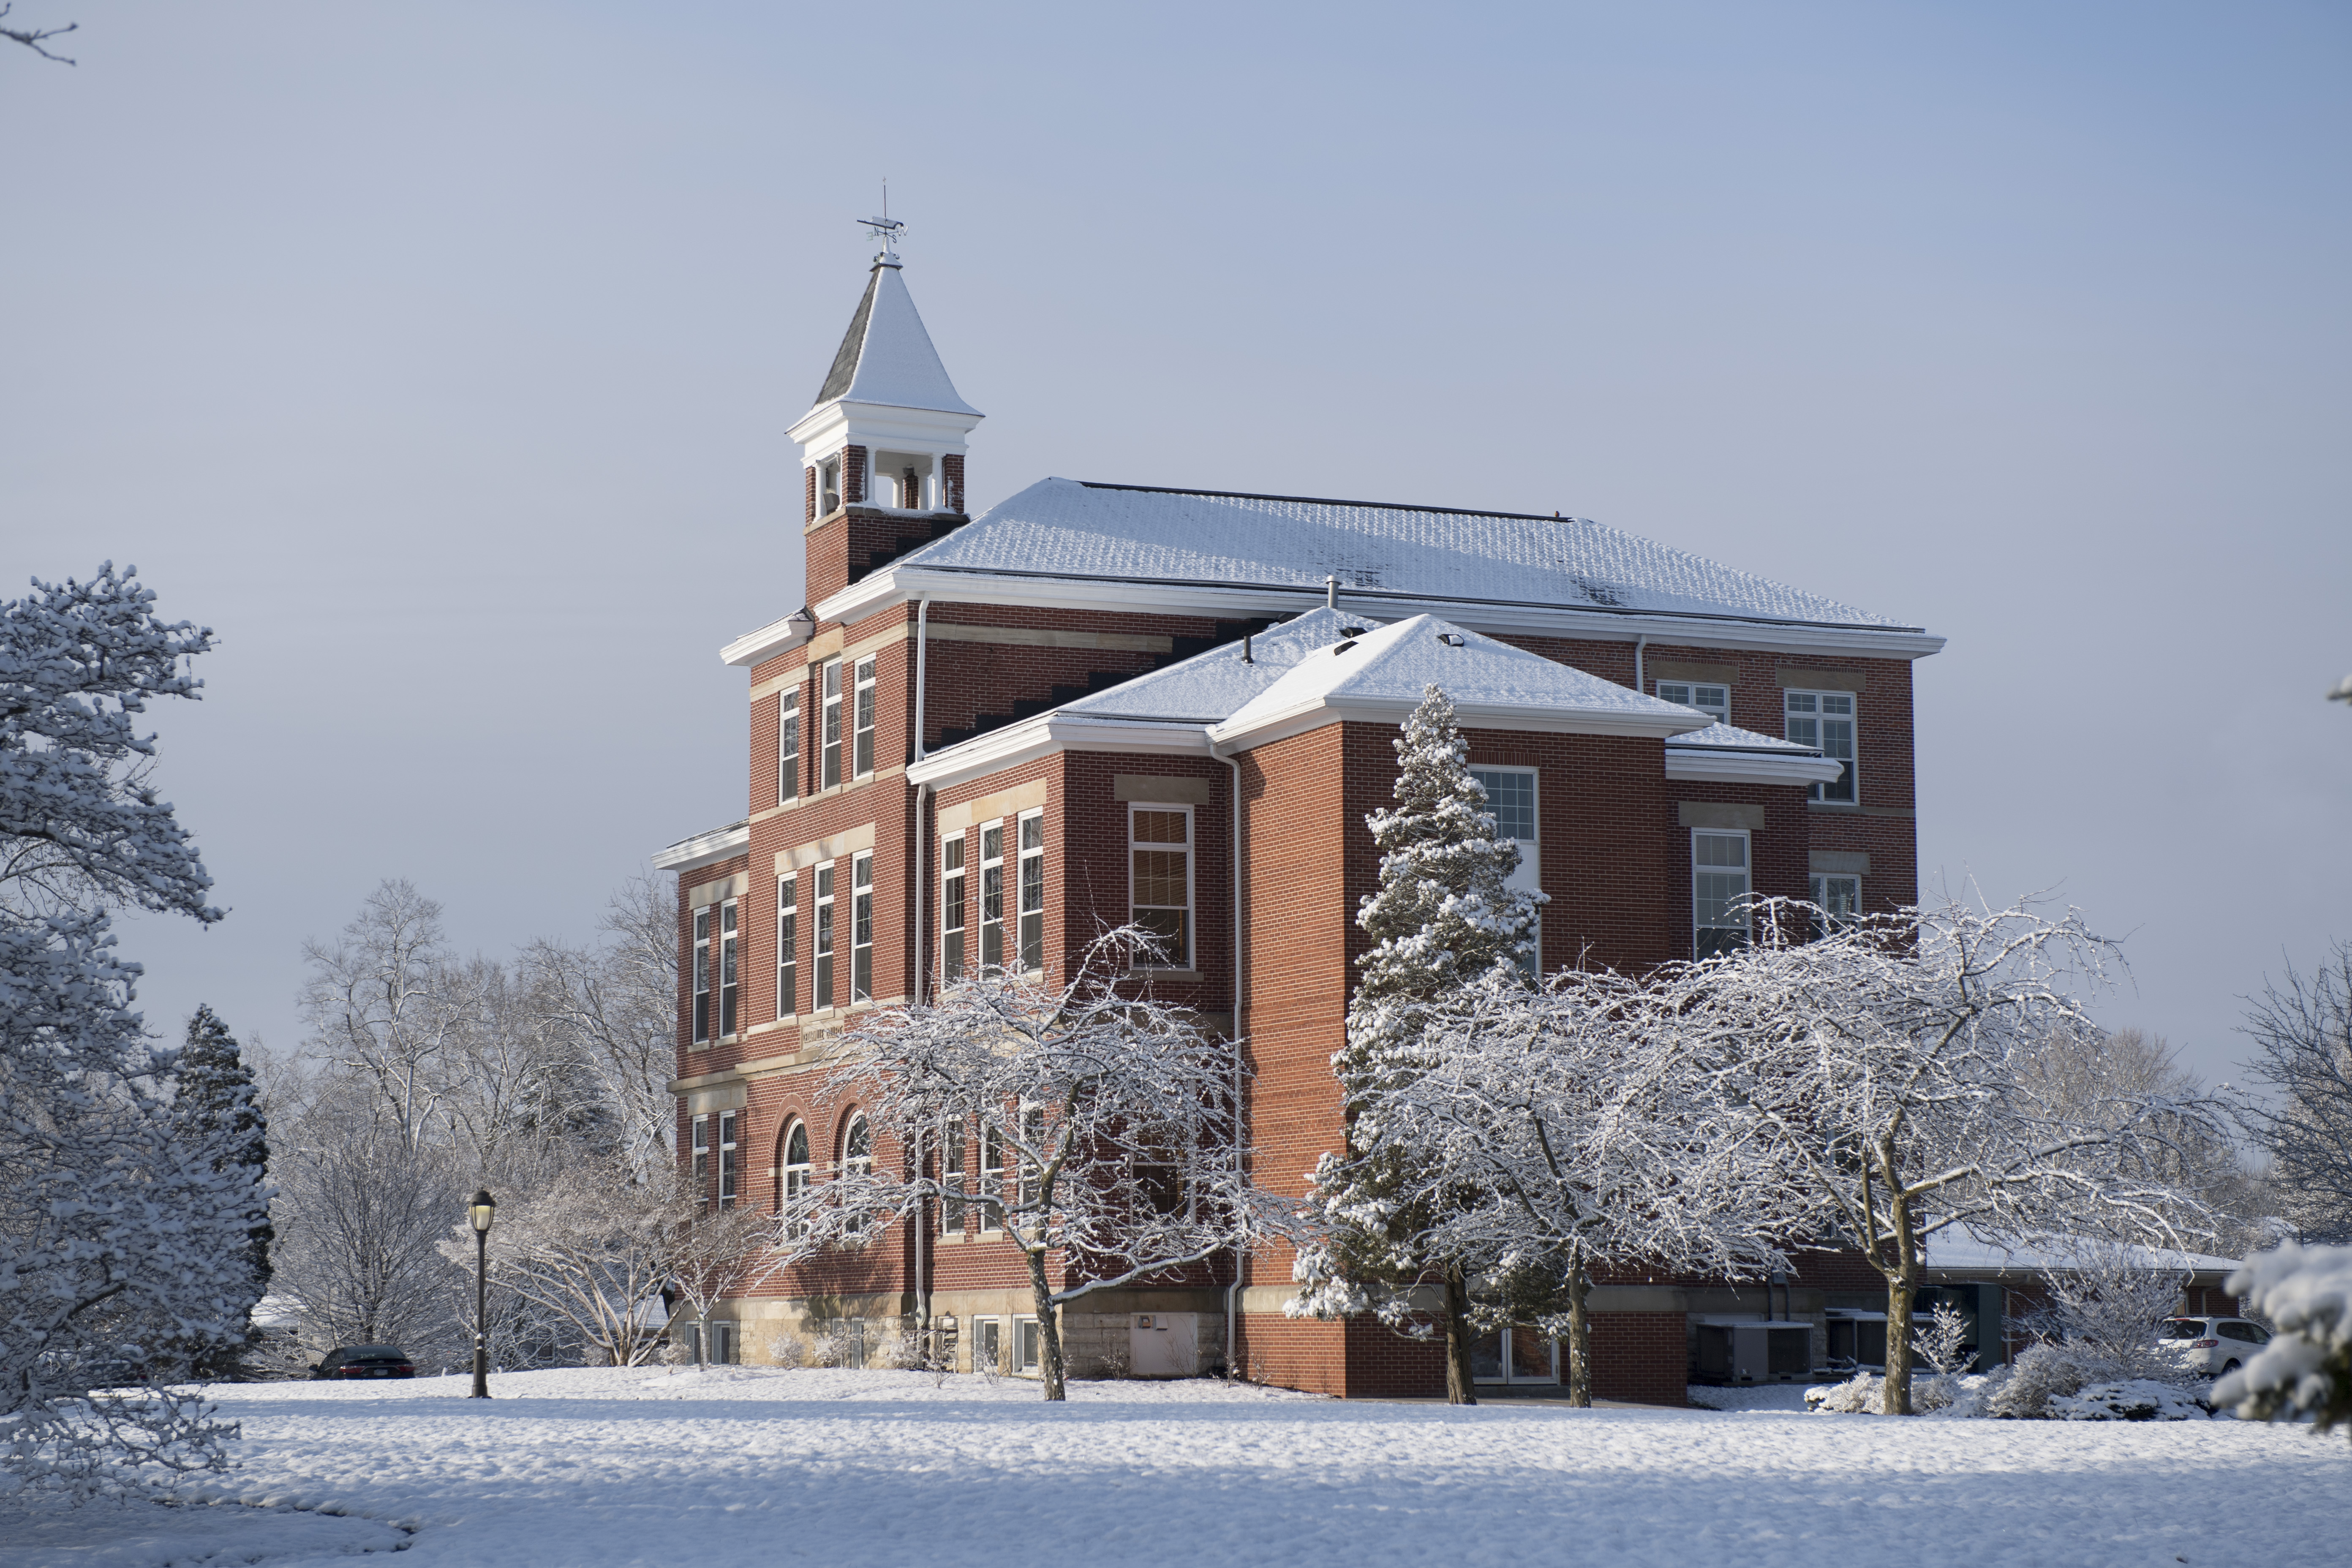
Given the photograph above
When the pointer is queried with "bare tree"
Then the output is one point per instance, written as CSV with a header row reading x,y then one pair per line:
x,y
615,1009
376,1005
361,1216
37,38
1883,1066
2303,1036
592,1247
706,1256
1112,1114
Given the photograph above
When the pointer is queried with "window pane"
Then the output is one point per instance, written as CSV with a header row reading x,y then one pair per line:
x,y
1802,702
1160,879
1674,691
1159,827
1511,796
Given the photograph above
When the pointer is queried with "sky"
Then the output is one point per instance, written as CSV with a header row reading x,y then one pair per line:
x,y
438,357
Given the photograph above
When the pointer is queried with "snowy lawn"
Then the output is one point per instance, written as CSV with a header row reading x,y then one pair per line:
x,y
740,1465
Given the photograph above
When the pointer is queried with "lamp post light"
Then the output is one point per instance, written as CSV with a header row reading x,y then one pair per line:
x,y
479,1213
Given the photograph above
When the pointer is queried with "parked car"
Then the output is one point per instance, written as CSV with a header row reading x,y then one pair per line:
x,y
365,1360
2214,1345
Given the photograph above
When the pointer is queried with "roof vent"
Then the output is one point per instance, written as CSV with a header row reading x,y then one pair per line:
x,y
1344,647
1451,639
1351,631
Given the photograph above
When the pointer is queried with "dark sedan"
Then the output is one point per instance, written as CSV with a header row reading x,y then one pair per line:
x,y
365,1360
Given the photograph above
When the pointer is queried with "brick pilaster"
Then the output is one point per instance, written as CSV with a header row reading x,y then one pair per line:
x,y
852,476
952,469
808,477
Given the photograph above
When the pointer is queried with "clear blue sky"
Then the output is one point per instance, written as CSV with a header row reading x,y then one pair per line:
x,y
439,357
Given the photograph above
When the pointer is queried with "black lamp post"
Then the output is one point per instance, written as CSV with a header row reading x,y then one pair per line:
x,y
478,1214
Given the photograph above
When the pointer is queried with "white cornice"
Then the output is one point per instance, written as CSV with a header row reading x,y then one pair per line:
x,y
705,848
1726,764
1315,712
1059,731
903,581
775,638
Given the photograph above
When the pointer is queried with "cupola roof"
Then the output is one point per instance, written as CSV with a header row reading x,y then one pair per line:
x,y
887,356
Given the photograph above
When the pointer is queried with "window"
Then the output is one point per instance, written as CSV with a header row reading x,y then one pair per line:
x,y
992,1173
788,745
829,684
952,908
824,937
727,986
1160,879
857,1152
730,1167
702,974
861,927
951,1194
828,487
991,897
796,1171
1699,694
1824,720
1032,1342
722,1342
1840,898
1033,891
1511,796
788,946
987,1344
701,1157
1033,1135
1718,890
863,758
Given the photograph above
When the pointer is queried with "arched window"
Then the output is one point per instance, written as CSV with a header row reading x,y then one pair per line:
x,y
858,1153
796,1167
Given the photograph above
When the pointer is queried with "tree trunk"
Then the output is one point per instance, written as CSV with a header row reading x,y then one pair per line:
x,y
701,1339
1900,1284
1580,1339
1459,1388
1049,1331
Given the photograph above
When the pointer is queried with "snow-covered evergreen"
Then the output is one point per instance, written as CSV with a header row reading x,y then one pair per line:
x,y
1444,916
125,1225
215,1098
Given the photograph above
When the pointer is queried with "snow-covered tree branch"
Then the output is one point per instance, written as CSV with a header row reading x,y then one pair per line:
x,y
1109,1115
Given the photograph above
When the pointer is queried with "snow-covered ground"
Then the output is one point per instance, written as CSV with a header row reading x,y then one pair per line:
x,y
578,1468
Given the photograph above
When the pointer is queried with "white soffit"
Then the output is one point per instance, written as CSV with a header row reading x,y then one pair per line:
x,y
705,848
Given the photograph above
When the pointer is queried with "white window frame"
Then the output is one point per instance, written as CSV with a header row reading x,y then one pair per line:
x,y
730,978
788,945
1818,719
954,871
1033,951
701,983
862,719
988,1340
992,1176
953,1198
730,1164
826,942
992,887
1527,874
1187,956
1030,1173
861,927
797,1173
1709,696
1747,868
700,1145
830,739
1028,1347
1825,884
788,745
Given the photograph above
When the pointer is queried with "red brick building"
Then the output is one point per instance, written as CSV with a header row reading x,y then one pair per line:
x,y
986,738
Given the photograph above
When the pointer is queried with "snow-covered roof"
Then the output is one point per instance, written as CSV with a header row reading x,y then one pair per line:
x,y
1211,685
1724,754
1070,529
705,848
1962,1250
1731,738
887,356
1384,675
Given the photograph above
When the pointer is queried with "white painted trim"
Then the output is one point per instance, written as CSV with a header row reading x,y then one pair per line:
x,y
1047,733
705,848
905,580
1315,712
775,638
1724,765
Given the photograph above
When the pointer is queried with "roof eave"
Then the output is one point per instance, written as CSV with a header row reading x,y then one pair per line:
x,y
777,636
705,848
1717,764
1045,734
914,578
1336,708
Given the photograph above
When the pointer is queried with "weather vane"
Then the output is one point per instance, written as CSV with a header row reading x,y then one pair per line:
x,y
885,228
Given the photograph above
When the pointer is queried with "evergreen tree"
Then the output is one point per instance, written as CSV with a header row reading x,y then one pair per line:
x,y
1444,915
216,1100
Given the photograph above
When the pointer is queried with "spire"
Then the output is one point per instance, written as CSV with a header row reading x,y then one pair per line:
x,y
887,356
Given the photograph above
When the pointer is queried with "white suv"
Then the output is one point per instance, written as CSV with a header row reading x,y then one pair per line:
x,y
2213,1345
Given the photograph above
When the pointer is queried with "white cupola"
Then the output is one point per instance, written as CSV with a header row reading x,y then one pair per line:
x,y
887,430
